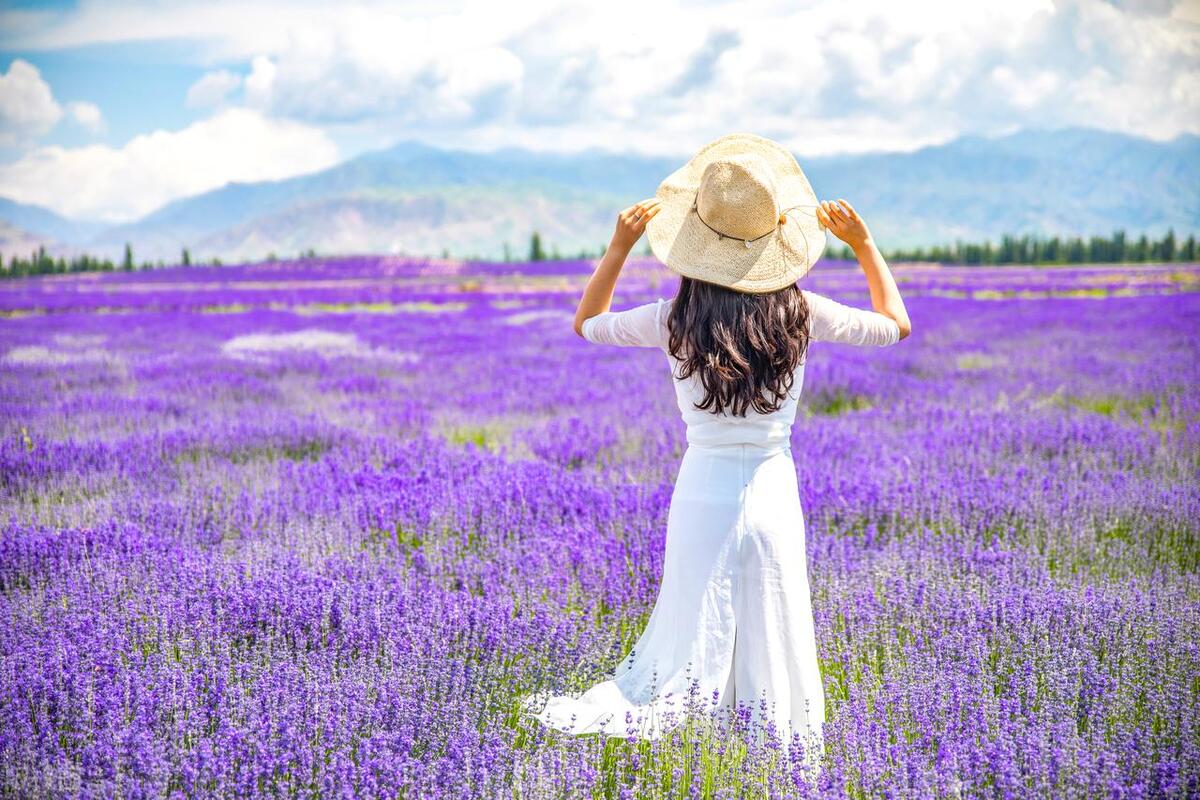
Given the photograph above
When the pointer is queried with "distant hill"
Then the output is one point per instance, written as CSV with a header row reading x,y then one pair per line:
x,y
418,199
410,198
45,223
19,242
23,228
1070,182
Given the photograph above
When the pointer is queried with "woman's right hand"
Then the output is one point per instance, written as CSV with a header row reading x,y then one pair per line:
x,y
845,223
631,223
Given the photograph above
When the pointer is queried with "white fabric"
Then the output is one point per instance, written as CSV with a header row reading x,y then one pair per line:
x,y
733,611
829,321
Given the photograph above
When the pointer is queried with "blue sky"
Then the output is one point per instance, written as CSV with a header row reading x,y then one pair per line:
x,y
138,89
108,110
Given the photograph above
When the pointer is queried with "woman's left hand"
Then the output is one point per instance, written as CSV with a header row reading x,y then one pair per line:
x,y
631,223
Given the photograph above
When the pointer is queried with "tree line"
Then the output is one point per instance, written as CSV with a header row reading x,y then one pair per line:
x,y
1116,249
42,263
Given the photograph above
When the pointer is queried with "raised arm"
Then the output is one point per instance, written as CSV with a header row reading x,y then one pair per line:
x,y
830,321
597,295
844,222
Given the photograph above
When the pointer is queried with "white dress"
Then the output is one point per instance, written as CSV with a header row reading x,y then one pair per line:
x,y
733,614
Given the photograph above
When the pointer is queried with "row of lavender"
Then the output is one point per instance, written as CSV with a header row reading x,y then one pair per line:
x,y
395,285
320,541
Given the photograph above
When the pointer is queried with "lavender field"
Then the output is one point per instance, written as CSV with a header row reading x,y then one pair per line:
x,y
311,529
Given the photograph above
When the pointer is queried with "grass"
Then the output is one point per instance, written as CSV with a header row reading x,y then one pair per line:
x,y
706,751
833,403
228,308
969,362
1155,411
317,308
487,436
302,450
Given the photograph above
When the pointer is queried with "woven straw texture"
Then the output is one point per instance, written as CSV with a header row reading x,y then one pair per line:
x,y
751,180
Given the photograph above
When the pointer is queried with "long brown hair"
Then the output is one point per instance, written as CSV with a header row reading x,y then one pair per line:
x,y
744,347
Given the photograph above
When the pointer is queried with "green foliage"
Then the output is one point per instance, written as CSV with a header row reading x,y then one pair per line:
x,y
477,435
833,403
1115,249
536,253
1118,248
301,450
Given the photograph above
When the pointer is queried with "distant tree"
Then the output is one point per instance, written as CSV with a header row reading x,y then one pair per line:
x,y
1025,249
1141,249
1188,251
1116,245
507,252
1050,251
186,258
536,253
1076,254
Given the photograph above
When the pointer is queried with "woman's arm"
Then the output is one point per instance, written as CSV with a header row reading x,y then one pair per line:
x,y
597,295
843,220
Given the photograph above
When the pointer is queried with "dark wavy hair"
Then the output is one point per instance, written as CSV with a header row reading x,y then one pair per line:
x,y
744,347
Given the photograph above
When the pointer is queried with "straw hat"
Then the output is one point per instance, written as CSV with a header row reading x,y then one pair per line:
x,y
740,214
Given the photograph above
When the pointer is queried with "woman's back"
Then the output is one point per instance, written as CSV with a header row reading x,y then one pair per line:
x,y
646,326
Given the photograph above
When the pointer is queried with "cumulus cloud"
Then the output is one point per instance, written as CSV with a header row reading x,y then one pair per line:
x,y
260,81
27,106
212,88
120,184
29,111
666,76
87,115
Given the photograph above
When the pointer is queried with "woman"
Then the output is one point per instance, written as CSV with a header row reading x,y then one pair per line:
x,y
732,621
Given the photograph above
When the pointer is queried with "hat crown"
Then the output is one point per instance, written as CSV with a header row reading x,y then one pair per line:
x,y
737,196
720,218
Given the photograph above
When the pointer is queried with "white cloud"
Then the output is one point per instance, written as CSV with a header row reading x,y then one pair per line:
x,y
27,106
259,81
212,88
120,184
87,115
665,77
29,111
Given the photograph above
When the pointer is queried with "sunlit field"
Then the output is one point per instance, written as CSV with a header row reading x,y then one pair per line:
x,y
311,529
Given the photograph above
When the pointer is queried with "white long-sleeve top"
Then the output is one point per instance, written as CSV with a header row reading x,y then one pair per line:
x,y
829,321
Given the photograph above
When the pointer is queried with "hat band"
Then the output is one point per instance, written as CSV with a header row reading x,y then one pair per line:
x,y
723,235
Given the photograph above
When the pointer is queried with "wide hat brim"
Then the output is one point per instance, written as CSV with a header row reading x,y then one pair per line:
x,y
688,247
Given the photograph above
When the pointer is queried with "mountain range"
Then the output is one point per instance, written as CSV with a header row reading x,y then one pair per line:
x,y
417,199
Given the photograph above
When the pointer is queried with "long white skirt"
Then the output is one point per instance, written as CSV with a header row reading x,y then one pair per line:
x,y
733,613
